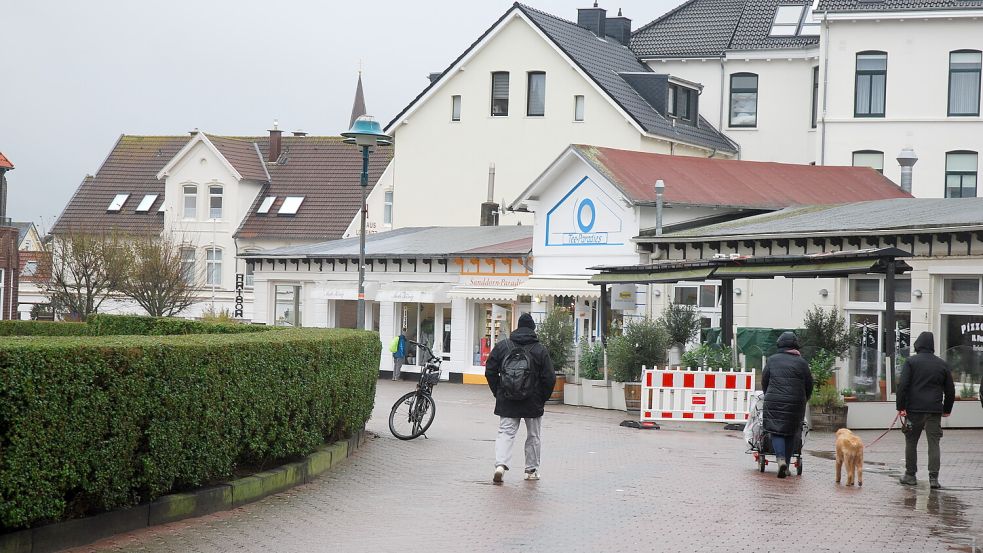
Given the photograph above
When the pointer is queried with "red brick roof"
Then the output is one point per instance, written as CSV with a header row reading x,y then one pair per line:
x,y
5,163
243,155
750,184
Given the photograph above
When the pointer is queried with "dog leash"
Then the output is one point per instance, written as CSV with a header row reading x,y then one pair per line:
x,y
896,417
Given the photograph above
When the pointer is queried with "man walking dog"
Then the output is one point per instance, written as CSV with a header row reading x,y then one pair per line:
x,y
520,374
925,395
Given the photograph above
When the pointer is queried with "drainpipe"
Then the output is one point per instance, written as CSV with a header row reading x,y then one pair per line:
x,y
660,187
825,43
720,119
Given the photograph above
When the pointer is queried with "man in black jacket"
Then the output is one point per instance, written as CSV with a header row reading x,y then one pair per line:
x,y
925,395
531,408
787,383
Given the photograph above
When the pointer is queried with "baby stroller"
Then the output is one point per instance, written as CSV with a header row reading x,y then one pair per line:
x,y
760,441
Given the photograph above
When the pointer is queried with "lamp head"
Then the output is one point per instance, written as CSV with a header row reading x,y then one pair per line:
x,y
366,131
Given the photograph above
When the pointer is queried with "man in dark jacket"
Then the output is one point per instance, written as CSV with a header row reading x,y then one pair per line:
x,y
531,408
787,383
925,395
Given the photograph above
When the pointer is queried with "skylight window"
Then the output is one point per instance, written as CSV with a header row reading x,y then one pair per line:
x,y
146,202
266,205
810,25
787,19
118,202
290,205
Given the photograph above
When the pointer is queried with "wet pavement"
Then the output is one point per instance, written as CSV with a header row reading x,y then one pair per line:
x,y
604,488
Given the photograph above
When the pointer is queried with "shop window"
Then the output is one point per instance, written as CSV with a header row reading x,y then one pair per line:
x,y
961,291
865,290
492,323
418,319
346,314
865,356
287,305
686,295
962,349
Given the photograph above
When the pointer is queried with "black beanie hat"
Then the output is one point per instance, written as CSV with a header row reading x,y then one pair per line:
x,y
525,321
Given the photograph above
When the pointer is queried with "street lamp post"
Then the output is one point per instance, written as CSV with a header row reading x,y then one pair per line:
x,y
365,133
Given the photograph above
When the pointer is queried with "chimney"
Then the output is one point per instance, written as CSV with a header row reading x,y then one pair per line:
x,y
619,28
275,133
299,132
489,209
907,160
433,77
592,19
194,132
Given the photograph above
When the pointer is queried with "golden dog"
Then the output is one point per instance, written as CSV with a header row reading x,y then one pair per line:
x,y
849,450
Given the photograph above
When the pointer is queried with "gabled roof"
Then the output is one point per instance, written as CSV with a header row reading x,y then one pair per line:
x,y
699,181
322,169
601,60
834,6
873,217
326,172
22,230
420,242
5,163
131,168
709,28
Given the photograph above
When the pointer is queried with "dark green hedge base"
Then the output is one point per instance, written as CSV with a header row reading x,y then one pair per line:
x,y
114,325
96,423
174,507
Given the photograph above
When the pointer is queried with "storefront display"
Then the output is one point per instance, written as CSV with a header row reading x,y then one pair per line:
x,y
492,324
287,305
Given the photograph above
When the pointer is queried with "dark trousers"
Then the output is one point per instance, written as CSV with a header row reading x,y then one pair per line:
x,y
931,423
782,445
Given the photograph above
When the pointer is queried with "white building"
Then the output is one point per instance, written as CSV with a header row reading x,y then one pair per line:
x,y
218,197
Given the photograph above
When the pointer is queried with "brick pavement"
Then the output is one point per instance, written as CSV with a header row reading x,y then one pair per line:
x,y
604,488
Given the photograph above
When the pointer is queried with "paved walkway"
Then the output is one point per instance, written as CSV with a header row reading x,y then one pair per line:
x,y
604,488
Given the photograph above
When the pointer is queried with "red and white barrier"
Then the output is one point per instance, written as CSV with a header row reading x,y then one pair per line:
x,y
714,396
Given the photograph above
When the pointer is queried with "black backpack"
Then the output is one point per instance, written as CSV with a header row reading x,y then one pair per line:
x,y
518,375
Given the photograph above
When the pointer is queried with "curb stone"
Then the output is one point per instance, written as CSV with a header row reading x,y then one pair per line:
x,y
179,506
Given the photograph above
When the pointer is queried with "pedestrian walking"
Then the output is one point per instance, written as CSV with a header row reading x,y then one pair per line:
x,y
399,353
787,383
520,374
926,393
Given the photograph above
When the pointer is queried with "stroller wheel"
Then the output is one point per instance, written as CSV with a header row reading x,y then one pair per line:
x,y
798,467
761,462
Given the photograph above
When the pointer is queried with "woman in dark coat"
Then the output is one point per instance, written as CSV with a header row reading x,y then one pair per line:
x,y
787,383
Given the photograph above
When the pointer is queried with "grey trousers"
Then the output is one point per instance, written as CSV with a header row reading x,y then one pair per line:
x,y
931,423
507,429
397,365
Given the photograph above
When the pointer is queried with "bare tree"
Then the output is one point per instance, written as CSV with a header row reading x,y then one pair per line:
x,y
155,277
85,268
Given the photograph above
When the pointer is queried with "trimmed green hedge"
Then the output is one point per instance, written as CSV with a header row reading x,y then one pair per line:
x,y
97,423
115,325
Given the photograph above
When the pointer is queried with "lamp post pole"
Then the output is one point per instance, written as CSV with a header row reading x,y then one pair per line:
x,y
360,316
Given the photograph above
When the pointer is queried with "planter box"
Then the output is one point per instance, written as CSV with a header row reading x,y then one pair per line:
x,y
829,420
573,394
597,393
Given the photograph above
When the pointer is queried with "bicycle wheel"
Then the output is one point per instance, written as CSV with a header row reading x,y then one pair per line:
x,y
411,415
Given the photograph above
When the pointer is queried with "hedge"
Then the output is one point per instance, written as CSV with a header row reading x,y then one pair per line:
x,y
98,423
111,325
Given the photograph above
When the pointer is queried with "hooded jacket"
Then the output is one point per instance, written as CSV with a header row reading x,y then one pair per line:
x,y
926,384
532,406
787,383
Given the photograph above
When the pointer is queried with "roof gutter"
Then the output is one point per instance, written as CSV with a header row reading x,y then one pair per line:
x,y
817,234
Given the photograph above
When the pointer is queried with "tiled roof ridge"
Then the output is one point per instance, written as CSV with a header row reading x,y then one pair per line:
x,y
547,14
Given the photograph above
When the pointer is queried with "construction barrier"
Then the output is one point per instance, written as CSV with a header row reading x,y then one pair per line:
x,y
704,395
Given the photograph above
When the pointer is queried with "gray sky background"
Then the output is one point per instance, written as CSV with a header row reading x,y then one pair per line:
x,y
76,75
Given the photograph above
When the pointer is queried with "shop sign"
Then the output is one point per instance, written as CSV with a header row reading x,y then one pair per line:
x,y
972,334
505,282
623,297
240,284
586,216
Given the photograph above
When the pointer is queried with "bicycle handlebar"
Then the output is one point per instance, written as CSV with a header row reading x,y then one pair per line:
x,y
424,346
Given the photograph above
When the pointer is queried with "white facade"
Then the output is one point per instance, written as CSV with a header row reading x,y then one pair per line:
x,y
916,99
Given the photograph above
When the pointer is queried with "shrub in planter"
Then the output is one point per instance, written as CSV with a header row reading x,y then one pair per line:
x,y
556,334
644,342
681,322
821,367
591,360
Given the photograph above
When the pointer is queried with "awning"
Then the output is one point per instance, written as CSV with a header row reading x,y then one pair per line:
x,y
480,293
577,287
415,292
343,290
678,275
832,268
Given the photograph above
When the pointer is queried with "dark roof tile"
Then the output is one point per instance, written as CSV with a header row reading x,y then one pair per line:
x,y
243,155
895,5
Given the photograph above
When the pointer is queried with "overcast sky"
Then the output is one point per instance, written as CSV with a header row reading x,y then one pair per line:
x,y
76,75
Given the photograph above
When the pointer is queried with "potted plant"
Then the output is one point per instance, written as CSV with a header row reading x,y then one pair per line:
x,y
825,332
967,392
682,324
848,394
828,410
556,335
644,342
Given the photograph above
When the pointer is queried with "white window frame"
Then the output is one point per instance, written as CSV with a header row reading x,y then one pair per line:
x,y
118,201
879,167
213,266
789,26
190,276
221,200
387,207
960,308
265,206
185,196
145,204
290,205
578,108
456,107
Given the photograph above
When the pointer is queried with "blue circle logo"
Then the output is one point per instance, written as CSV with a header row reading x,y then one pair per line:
x,y
585,210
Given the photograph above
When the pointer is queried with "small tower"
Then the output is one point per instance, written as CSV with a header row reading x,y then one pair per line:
x,y
358,108
5,166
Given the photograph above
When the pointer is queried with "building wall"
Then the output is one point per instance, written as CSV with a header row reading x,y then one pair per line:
x,y
9,264
784,130
916,95
440,169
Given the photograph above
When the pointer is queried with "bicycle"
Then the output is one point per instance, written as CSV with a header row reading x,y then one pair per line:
x,y
413,413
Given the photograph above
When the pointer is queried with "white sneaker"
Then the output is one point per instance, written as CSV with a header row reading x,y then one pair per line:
x,y
499,473
534,475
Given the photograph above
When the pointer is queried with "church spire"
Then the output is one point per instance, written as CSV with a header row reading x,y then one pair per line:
x,y
358,108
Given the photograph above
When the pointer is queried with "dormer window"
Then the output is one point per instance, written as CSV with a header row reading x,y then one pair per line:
x,y
680,103
117,203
